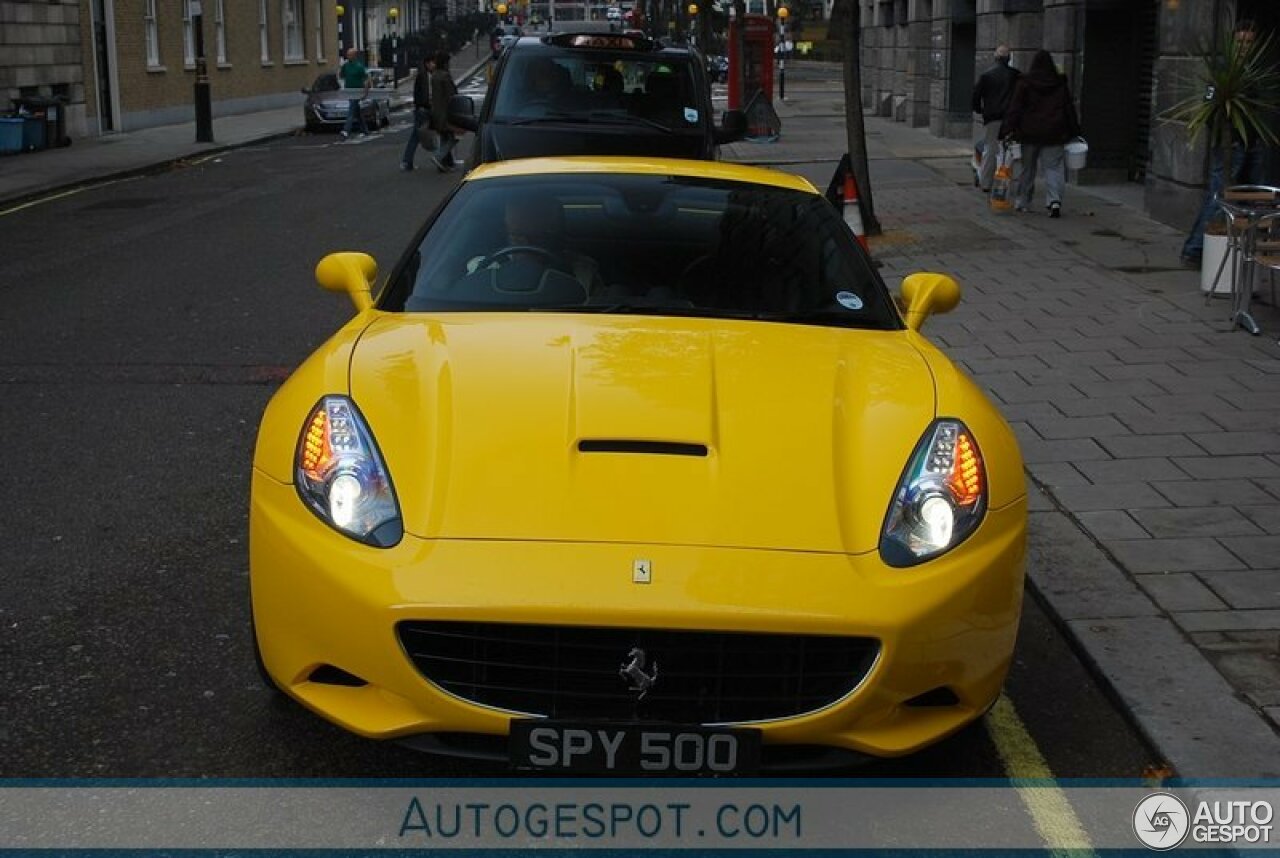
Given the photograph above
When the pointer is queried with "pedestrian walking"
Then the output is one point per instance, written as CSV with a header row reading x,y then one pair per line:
x,y
354,77
442,89
1042,117
991,96
422,123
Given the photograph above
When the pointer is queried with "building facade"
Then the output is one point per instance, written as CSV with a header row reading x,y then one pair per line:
x,y
41,54
1127,61
121,65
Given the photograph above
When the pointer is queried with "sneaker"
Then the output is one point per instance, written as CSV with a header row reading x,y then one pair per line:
x,y
405,167
1020,208
344,135
1190,261
1055,209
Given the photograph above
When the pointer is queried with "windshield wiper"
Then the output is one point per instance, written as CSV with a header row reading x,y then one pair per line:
x,y
551,117
610,117
832,318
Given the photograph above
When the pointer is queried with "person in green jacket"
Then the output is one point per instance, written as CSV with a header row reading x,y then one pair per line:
x,y
354,77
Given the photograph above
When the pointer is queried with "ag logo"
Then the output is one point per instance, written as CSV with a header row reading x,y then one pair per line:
x,y
1161,822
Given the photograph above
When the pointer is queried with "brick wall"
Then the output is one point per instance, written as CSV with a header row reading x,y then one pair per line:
x,y
163,93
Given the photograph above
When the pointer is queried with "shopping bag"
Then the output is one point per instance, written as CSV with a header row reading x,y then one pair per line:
x,y
1002,184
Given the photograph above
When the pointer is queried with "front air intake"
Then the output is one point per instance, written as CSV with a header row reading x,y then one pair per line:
x,y
702,677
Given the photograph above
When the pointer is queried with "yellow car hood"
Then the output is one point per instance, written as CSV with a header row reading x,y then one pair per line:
x,y
480,418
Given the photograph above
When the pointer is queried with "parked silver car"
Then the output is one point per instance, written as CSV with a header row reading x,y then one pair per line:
x,y
326,105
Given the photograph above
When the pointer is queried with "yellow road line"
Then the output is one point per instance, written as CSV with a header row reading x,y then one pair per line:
x,y
1050,811
43,200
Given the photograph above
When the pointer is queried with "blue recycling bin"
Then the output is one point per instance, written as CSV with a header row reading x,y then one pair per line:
x,y
11,134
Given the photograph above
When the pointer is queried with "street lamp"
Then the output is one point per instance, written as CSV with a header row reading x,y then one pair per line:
x,y
392,14
783,13
203,98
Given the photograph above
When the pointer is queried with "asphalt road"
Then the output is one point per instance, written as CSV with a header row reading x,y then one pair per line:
x,y
143,327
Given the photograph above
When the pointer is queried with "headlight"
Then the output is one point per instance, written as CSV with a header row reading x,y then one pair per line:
x,y
341,478
940,499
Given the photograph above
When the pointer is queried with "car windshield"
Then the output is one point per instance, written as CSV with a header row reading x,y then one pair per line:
x,y
644,244
597,86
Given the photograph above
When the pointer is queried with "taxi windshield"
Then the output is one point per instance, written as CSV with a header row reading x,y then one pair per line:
x,y
597,86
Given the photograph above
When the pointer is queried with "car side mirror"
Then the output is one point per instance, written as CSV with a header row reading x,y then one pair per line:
x,y
927,293
462,112
306,91
349,272
733,127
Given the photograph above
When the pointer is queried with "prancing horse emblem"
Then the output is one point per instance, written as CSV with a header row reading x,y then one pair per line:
x,y
632,671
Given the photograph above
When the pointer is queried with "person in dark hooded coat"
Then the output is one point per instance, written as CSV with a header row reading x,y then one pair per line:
x,y
1042,117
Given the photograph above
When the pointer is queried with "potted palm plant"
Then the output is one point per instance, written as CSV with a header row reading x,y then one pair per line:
x,y
1232,101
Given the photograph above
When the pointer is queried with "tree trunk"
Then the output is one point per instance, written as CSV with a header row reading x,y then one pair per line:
x,y
855,127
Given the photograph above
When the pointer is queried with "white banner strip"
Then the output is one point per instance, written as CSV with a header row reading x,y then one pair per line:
x,y
651,815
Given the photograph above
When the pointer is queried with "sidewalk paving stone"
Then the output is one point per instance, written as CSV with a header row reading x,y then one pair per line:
x,y
1118,496
1267,518
1253,588
1222,467
1180,591
1172,555
1142,446
1112,524
1211,492
1143,470
1260,552
1211,521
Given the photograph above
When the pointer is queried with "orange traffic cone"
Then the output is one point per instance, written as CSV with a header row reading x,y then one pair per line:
x,y
853,210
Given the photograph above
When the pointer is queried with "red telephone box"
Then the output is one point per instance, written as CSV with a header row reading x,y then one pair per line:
x,y
758,39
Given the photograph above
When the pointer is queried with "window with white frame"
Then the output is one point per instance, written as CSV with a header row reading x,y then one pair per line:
x,y
319,29
220,30
188,35
293,47
264,40
152,33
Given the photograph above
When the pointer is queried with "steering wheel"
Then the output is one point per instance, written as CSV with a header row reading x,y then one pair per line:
x,y
550,258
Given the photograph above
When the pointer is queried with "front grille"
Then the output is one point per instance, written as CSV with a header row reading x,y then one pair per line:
x,y
572,672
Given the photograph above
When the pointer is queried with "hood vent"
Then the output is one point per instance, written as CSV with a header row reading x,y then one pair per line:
x,y
655,448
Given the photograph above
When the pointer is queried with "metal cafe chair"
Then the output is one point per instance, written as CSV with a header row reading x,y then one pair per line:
x,y
1266,248
1244,206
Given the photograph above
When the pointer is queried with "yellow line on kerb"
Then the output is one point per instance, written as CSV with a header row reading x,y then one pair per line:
x,y
1047,804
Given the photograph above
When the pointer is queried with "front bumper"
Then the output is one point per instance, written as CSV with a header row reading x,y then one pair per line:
x,y
320,600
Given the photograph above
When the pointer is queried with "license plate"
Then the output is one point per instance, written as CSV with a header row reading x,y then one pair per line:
x,y
633,749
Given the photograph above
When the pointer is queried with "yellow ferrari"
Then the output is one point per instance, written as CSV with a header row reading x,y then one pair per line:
x,y
636,466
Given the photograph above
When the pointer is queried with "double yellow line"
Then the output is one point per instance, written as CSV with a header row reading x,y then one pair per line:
x,y
1046,802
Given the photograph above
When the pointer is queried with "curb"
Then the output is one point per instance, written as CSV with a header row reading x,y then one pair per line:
x,y
8,204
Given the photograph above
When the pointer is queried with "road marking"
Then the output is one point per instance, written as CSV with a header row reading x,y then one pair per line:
x,y
92,186
1050,811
